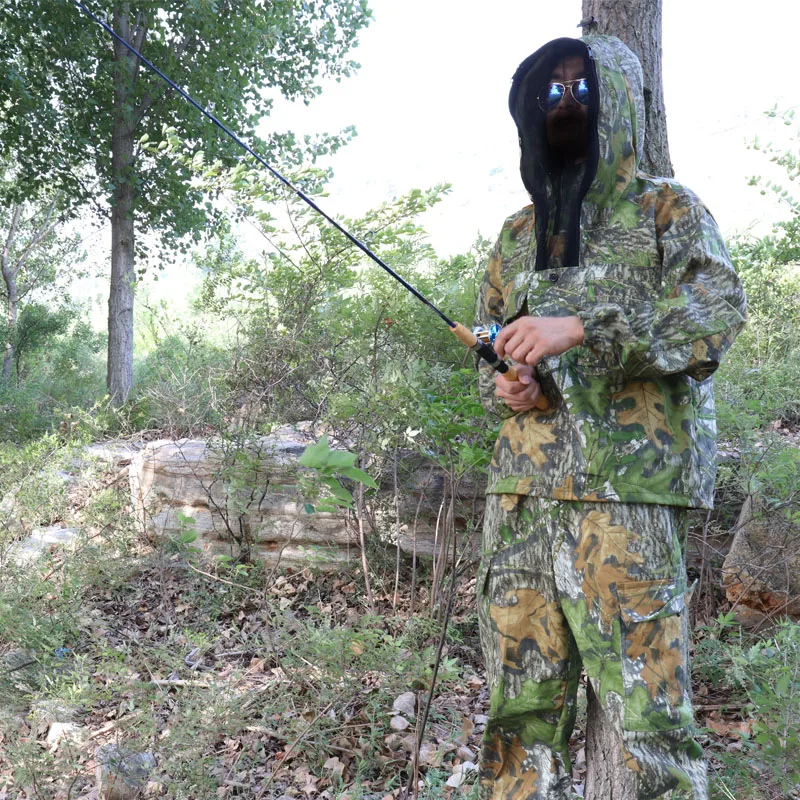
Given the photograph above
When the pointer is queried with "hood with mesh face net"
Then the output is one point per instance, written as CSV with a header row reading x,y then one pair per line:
x,y
616,129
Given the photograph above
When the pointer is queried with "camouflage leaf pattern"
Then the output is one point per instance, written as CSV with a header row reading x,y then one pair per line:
x,y
564,585
632,409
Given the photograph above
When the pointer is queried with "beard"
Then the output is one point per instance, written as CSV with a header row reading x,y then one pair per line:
x,y
568,135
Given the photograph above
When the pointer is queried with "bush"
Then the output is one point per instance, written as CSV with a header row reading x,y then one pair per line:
x,y
764,675
178,385
58,369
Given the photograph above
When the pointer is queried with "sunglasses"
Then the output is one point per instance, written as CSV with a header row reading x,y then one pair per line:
x,y
552,94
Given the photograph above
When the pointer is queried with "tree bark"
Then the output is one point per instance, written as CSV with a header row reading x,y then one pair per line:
x,y
9,272
607,778
638,24
119,372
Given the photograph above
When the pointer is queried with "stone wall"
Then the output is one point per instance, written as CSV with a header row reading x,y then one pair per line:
x,y
227,494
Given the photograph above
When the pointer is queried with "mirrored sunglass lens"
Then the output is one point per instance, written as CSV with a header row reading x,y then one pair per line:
x,y
580,91
555,91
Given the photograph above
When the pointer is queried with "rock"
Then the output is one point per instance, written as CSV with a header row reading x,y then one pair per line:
x,y
17,660
122,774
398,723
212,486
115,454
44,713
406,703
465,754
249,490
480,719
461,773
40,541
72,732
762,569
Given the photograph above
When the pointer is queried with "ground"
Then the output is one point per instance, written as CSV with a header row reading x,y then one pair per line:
x,y
246,681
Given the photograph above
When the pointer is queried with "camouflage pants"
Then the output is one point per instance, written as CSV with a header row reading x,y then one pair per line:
x,y
599,585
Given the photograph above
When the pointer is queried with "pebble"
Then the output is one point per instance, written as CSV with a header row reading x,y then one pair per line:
x,y
398,723
406,703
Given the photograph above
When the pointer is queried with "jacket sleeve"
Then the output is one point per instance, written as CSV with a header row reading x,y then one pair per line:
x,y
490,310
694,321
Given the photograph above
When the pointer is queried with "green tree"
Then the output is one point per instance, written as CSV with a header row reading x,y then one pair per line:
x,y
32,248
74,103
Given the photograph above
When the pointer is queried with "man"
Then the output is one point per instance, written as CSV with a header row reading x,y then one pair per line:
x,y
617,300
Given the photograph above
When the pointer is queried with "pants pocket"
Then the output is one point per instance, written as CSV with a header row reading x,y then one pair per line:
x,y
653,643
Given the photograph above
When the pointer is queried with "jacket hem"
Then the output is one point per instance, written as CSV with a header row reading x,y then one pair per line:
x,y
524,486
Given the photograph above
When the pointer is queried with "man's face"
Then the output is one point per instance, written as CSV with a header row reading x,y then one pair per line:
x,y
568,123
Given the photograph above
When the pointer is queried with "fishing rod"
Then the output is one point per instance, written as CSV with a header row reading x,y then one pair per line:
x,y
478,340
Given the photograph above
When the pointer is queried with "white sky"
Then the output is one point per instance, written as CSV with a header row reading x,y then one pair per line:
x,y
430,104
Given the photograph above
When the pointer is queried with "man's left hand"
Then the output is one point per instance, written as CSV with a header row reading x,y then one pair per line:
x,y
529,339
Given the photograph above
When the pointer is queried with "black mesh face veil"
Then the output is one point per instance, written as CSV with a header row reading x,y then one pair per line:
x,y
536,162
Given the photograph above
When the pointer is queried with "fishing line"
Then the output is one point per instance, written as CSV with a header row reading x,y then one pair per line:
x,y
478,342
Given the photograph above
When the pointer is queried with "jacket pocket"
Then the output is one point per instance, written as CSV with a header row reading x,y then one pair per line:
x,y
515,300
655,671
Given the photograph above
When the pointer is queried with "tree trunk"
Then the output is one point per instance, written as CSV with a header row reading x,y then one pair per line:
x,y
12,294
607,778
119,373
638,24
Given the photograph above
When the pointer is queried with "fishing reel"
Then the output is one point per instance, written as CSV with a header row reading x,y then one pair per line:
x,y
484,339
487,335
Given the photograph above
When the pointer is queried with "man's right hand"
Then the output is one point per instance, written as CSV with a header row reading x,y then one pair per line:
x,y
520,395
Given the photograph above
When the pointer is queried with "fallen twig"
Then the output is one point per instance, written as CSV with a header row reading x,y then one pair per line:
x,y
222,580
179,682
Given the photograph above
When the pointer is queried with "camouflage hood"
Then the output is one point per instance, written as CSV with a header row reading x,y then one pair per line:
x,y
616,131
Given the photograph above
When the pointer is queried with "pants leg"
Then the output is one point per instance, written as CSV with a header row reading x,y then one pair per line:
x,y
531,657
600,583
622,586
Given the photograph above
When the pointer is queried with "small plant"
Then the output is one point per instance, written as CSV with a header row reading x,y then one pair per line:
x,y
330,466
771,671
763,677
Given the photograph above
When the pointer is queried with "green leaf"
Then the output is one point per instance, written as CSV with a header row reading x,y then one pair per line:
x,y
341,458
187,537
338,491
331,508
356,474
315,456
783,685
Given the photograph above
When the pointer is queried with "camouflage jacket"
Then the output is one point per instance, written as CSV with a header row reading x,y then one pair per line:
x,y
632,408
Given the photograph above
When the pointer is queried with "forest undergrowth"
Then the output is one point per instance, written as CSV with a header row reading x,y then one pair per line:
x,y
256,682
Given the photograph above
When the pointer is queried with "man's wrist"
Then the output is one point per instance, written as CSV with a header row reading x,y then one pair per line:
x,y
580,331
